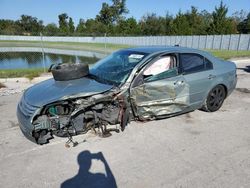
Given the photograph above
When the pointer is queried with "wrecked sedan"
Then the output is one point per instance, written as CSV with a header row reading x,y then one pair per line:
x,y
132,84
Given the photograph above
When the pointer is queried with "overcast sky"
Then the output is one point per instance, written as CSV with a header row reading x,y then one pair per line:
x,y
48,10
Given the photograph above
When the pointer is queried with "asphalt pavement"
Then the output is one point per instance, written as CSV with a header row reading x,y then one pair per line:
x,y
197,149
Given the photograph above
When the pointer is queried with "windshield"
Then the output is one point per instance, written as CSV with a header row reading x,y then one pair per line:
x,y
116,68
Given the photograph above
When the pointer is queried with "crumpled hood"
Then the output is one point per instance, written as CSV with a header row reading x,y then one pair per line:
x,y
50,90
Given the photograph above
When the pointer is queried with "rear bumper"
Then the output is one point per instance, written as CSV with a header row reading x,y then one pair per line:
x,y
25,124
233,86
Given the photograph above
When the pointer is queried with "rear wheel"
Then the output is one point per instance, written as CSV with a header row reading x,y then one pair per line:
x,y
215,99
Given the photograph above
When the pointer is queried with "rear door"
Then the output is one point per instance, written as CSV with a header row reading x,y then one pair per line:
x,y
198,73
159,91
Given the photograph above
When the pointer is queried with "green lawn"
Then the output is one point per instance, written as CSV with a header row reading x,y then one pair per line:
x,y
98,47
14,73
229,54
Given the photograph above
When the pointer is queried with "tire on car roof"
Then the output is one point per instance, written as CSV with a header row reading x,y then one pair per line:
x,y
67,71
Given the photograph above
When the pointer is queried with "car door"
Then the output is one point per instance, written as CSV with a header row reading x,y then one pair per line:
x,y
198,73
163,93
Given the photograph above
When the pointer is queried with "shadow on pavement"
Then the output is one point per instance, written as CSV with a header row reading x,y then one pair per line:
x,y
84,178
246,69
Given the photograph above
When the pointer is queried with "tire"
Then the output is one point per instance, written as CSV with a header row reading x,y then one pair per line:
x,y
215,99
66,71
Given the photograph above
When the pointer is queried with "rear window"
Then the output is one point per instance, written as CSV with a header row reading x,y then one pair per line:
x,y
194,63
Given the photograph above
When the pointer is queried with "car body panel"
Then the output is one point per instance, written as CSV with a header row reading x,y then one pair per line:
x,y
152,99
160,98
50,90
199,85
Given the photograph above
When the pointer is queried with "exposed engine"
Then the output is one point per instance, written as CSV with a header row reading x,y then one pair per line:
x,y
73,117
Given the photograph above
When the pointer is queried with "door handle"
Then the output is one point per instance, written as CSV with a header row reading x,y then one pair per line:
x,y
211,76
179,83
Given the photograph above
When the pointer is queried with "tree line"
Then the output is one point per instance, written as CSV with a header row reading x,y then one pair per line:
x,y
111,21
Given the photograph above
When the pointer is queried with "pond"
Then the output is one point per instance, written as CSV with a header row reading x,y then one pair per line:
x,y
23,58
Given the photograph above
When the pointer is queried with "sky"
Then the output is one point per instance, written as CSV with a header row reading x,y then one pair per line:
x,y
48,10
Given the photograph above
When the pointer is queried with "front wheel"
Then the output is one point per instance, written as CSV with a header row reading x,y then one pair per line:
x,y
215,99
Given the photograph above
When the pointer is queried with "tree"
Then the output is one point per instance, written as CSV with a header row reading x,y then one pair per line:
x,y
221,24
239,16
9,27
63,24
151,24
181,25
207,20
169,24
195,21
244,26
127,27
51,29
95,28
119,9
71,26
110,14
30,25
81,27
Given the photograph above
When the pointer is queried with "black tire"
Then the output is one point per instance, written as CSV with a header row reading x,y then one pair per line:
x,y
68,71
215,99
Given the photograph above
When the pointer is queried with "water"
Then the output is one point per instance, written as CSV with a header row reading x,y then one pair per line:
x,y
23,58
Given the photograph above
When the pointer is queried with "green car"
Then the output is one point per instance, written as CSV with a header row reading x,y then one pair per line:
x,y
142,84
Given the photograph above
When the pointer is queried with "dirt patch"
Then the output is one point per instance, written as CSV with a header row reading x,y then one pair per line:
x,y
188,118
1,104
2,85
243,90
13,124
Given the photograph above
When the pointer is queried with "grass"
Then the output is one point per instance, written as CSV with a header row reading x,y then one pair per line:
x,y
229,54
98,47
14,73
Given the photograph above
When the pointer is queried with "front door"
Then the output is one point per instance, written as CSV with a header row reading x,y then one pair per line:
x,y
158,90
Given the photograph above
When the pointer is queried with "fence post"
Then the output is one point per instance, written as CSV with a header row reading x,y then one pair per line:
x,y
206,42
221,38
238,46
192,41
105,41
230,38
248,42
213,42
43,52
199,42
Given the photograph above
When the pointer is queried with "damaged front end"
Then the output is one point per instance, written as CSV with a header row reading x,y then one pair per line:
x,y
75,116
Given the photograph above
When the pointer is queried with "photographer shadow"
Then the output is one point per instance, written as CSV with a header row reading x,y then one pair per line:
x,y
86,179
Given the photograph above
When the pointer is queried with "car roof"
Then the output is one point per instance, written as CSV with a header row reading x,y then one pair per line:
x,y
155,49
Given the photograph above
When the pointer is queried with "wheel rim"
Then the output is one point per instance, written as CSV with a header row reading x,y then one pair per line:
x,y
216,98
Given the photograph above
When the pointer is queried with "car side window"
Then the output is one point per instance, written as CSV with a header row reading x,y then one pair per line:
x,y
208,64
191,63
164,67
